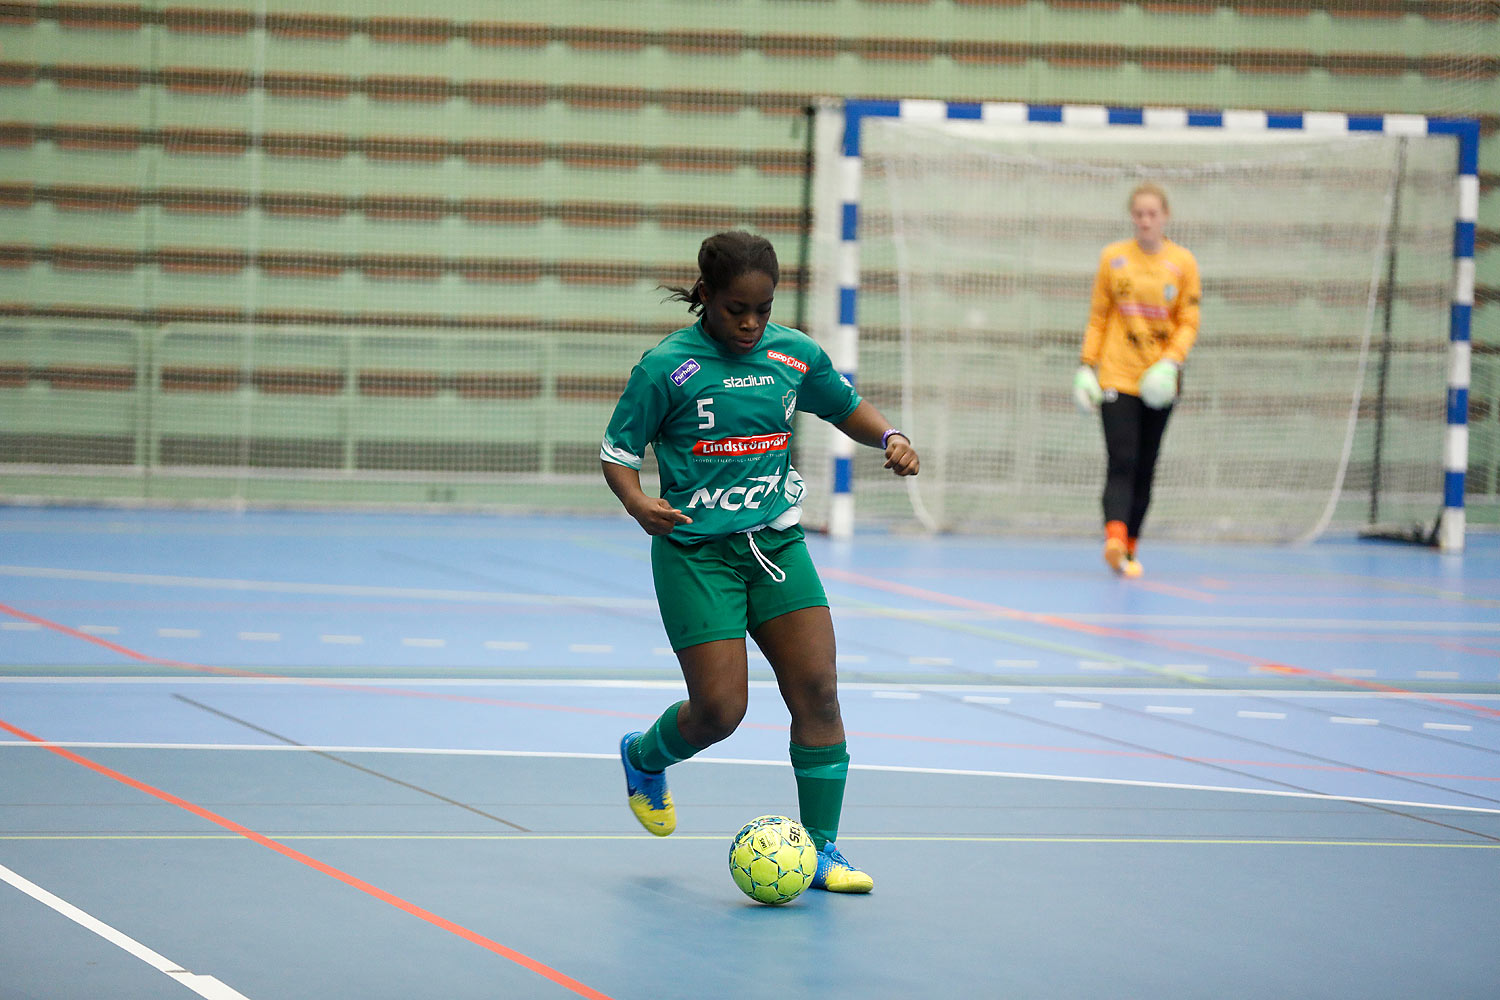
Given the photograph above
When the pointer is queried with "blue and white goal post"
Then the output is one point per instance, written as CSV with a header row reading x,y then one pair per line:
x,y
996,212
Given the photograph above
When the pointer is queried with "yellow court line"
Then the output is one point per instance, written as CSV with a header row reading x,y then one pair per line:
x,y
908,839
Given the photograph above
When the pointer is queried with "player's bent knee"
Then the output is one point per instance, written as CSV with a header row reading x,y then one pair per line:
x,y
711,723
816,703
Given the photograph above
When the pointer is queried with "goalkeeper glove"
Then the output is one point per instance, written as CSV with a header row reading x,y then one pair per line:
x,y
1086,391
1158,386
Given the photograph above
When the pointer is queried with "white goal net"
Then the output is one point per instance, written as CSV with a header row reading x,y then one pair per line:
x,y
1315,396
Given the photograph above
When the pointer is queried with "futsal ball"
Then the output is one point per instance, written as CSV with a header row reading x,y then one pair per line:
x,y
773,859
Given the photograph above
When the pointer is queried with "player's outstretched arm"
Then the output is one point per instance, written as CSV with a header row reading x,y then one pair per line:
x,y
868,427
654,514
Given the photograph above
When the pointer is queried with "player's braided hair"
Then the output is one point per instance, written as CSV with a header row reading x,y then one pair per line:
x,y
724,257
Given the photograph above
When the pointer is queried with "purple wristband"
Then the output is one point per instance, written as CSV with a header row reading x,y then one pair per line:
x,y
886,437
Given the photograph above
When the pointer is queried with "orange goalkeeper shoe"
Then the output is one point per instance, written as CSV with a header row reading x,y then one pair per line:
x,y
1115,555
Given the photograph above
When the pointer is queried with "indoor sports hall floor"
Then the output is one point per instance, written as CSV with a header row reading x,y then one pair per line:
x,y
286,755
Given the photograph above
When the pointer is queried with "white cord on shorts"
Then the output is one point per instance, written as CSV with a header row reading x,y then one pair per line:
x,y
774,571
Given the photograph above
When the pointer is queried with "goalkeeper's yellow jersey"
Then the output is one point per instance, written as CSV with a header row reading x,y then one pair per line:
x,y
1145,309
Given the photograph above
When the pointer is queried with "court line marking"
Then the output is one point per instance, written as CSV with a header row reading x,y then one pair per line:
x,y
340,589
60,746
1073,624
335,685
310,680
507,597
940,620
443,923
681,837
205,986
1279,626
335,758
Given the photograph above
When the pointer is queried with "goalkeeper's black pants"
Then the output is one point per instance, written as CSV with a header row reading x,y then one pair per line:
x,y
1132,437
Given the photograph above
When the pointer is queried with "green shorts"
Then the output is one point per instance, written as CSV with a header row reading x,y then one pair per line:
x,y
718,590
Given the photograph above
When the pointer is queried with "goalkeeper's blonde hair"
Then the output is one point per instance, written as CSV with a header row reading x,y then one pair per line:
x,y
1151,188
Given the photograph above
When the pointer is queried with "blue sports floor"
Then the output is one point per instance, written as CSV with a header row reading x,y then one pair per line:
x,y
289,755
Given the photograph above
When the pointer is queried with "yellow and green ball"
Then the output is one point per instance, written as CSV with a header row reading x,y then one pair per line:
x,y
772,859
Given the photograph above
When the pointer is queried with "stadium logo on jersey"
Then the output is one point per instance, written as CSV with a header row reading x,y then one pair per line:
x,y
735,447
736,497
1117,262
685,371
790,402
785,359
1169,292
748,381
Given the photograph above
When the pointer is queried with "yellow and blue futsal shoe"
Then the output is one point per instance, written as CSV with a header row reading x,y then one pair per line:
x,y
836,874
649,798
1132,568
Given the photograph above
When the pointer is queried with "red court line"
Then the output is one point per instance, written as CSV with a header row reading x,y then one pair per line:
x,y
115,647
1073,625
1460,647
473,937
1174,591
472,699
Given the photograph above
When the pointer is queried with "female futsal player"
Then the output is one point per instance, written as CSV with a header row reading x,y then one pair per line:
x,y
715,400
1142,324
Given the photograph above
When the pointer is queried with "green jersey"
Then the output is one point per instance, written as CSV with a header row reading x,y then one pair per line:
x,y
721,425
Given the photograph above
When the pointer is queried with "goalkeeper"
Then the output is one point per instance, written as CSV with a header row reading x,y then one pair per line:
x,y
1142,324
715,402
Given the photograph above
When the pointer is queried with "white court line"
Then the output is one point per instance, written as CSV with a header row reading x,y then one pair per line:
x,y
506,644
261,636
1346,720
180,633
701,760
1169,710
1451,727
1104,665
897,695
315,680
341,589
205,986
1247,714
424,643
1069,703
100,629
1279,624
20,626
342,640
590,647
985,699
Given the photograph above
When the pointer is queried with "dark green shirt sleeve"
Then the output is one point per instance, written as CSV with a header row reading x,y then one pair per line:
x,y
636,421
825,393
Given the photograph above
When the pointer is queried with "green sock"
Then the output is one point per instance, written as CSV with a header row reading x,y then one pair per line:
x,y
662,745
821,774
